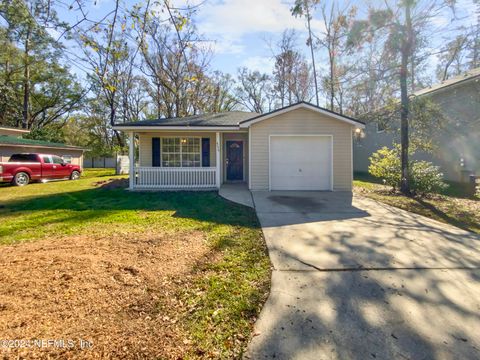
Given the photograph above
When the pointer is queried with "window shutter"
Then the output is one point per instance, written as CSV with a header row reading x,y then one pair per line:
x,y
205,152
156,152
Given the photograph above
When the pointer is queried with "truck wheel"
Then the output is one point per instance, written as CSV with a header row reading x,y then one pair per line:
x,y
21,179
75,175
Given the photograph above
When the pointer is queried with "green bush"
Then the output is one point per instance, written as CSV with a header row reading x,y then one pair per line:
x,y
477,192
426,178
385,164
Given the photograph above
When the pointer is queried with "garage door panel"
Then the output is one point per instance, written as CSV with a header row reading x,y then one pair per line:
x,y
300,162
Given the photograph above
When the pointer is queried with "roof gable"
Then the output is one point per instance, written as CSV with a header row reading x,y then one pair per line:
x,y
302,105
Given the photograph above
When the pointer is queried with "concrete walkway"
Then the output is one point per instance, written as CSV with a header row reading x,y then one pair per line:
x,y
237,193
356,279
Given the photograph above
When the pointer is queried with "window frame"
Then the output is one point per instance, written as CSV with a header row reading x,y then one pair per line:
x,y
69,157
180,153
55,157
380,128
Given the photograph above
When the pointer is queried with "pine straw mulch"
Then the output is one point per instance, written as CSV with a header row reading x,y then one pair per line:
x,y
116,292
461,212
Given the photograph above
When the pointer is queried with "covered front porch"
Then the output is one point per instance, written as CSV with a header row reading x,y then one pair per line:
x,y
187,160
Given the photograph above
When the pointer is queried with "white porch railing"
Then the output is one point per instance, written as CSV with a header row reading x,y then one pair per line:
x,y
175,178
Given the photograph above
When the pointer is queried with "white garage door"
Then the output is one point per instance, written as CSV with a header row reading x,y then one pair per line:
x,y
300,162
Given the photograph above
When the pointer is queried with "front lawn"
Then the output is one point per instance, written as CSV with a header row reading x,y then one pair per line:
x,y
140,275
452,206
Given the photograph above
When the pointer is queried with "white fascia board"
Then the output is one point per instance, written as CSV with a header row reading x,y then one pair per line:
x,y
176,128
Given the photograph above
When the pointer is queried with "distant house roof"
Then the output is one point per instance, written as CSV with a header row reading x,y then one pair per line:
x,y
231,119
6,140
467,76
13,130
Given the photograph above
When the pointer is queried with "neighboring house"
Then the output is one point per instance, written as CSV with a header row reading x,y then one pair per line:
x,y
299,147
457,144
11,142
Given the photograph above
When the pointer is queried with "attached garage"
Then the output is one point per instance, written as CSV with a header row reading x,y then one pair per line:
x,y
301,147
291,169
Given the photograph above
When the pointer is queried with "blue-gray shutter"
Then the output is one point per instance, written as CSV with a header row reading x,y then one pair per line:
x,y
205,152
156,152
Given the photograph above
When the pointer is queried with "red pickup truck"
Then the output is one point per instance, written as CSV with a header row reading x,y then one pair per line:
x,y
23,168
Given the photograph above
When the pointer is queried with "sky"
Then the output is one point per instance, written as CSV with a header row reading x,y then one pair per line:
x,y
241,32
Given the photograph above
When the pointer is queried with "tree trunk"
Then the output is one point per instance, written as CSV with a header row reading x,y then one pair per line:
x,y
406,49
119,139
112,122
26,82
332,77
312,53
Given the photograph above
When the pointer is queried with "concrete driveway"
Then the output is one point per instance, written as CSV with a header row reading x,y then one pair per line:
x,y
356,279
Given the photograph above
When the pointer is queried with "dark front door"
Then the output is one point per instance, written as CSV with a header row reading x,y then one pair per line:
x,y
234,160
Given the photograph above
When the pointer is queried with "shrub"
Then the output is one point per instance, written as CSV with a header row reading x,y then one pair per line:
x,y
385,164
426,178
477,192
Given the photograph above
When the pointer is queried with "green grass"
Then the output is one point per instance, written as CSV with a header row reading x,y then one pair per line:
x,y
226,291
225,297
452,206
97,172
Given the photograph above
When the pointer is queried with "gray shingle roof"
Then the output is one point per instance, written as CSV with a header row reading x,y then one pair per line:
x,y
12,140
469,75
231,118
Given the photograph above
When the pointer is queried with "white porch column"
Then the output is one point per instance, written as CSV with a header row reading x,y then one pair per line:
x,y
218,160
131,155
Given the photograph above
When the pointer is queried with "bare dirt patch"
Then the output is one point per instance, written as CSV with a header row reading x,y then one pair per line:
x,y
115,292
112,184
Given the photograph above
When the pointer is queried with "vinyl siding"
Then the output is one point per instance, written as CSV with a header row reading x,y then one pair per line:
x,y
145,144
301,122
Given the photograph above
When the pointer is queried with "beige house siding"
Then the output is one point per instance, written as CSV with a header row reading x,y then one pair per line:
x,y
7,151
145,144
301,122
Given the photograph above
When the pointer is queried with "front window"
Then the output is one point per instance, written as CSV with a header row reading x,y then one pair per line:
x,y
181,152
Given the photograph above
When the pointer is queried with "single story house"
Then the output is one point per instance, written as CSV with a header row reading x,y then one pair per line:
x,y
12,142
298,147
457,143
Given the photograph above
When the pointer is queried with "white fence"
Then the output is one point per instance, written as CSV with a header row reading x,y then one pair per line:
x,y
175,178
